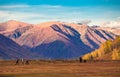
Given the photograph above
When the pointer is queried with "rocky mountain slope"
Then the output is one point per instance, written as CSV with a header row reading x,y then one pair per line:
x,y
10,50
58,40
14,29
115,30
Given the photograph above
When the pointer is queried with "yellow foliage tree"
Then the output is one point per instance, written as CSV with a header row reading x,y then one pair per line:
x,y
109,46
116,54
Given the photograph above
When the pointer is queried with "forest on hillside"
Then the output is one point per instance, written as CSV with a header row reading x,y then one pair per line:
x,y
109,50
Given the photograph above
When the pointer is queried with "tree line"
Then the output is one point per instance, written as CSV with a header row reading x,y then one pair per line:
x,y
109,49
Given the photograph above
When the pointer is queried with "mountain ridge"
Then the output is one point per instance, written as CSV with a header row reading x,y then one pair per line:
x,y
11,50
59,40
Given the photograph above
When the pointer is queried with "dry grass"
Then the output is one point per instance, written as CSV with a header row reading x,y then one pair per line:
x,y
60,69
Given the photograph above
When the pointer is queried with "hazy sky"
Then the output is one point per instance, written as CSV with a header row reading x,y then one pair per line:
x,y
91,12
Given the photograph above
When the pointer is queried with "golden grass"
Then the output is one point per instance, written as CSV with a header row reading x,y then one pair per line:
x,y
60,69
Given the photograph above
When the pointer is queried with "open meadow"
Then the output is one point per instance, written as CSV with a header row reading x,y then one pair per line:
x,y
41,68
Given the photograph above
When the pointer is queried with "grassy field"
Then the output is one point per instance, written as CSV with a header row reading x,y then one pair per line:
x,y
60,69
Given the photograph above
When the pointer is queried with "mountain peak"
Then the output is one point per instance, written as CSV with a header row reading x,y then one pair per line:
x,y
12,21
48,24
12,25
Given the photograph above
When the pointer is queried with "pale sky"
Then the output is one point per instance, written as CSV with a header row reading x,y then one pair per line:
x,y
91,12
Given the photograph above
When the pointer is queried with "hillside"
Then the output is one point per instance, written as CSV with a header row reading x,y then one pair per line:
x,y
58,40
12,25
115,30
110,50
10,50
14,29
